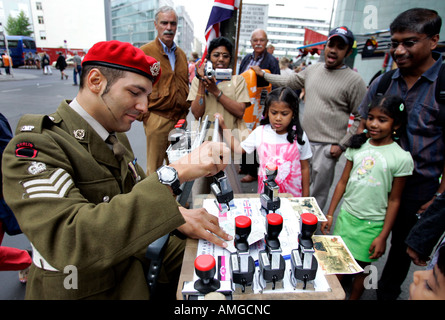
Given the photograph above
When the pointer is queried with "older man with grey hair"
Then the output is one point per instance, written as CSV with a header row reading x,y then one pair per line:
x,y
259,57
168,101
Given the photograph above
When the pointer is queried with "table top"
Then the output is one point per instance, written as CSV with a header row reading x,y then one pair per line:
x,y
187,271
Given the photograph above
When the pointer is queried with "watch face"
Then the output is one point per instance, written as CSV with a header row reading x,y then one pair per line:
x,y
167,174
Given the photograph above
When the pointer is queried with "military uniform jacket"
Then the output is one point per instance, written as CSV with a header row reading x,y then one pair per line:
x,y
72,199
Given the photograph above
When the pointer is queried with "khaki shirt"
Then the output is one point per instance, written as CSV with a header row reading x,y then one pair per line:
x,y
80,207
235,89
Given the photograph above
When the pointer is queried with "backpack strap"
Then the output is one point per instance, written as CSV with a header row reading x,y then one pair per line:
x,y
384,82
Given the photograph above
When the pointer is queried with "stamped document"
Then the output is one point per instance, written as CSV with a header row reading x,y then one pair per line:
x,y
307,204
333,255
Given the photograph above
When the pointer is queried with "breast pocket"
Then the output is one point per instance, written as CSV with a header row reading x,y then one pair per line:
x,y
98,191
422,120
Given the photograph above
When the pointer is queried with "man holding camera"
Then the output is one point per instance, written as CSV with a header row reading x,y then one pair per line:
x,y
168,101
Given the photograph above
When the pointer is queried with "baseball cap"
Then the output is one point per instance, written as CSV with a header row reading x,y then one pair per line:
x,y
344,33
124,56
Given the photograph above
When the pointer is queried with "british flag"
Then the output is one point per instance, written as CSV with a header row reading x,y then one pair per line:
x,y
221,11
247,208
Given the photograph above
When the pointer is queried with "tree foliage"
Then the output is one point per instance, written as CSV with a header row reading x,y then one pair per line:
x,y
19,26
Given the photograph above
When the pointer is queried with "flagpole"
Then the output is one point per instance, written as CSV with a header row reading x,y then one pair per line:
x,y
237,37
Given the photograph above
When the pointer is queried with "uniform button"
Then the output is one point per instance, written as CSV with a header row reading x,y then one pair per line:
x,y
106,199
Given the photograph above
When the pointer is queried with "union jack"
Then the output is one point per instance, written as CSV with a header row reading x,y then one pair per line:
x,y
247,208
221,11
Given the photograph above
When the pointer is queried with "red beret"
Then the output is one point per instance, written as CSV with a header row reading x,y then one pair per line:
x,y
124,56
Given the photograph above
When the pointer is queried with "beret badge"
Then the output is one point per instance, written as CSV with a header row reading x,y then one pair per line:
x,y
155,69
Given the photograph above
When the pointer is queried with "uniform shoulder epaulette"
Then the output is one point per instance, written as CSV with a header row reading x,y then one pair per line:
x,y
33,123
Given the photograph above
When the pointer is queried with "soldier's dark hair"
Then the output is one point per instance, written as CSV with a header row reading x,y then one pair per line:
x,y
111,74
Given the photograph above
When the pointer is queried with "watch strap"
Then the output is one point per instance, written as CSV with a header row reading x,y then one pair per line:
x,y
176,187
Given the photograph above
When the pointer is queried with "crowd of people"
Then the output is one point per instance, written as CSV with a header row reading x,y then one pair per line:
x,y
105,207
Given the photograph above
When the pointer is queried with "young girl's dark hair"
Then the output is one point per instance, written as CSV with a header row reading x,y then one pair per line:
x,y
287,95
391,105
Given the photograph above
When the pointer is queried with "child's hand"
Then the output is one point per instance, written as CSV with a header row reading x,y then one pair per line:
x,y
326,225
377,248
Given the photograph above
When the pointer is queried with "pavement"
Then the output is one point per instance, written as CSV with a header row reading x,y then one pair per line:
x,y
16,76
11,289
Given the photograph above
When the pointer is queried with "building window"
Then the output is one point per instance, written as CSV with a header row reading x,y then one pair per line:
x,y
39,6
40,19
42,35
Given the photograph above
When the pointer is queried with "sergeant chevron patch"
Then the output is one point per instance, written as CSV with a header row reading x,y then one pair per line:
x,y
56,186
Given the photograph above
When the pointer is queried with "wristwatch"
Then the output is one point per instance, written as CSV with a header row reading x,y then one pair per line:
x,y
168,176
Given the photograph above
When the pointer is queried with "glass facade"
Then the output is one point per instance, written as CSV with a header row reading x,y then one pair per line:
x,y
133,20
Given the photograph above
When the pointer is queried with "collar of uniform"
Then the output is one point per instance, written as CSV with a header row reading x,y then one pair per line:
x,y
93,142
168,50
100,130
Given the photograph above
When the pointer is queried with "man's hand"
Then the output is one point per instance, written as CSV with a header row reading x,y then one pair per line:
x,y
415,257
199,224
336,151
205,161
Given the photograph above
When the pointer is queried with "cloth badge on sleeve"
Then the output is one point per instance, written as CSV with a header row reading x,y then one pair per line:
x,y
56,185
36,167
26,150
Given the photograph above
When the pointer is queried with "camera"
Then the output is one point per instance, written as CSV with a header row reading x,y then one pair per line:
x,y
219,74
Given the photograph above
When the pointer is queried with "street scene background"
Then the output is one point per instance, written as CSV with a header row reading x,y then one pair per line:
x,y
28,91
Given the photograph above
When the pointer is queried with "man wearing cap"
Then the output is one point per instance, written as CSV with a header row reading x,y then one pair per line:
x,y
168,101
333,92
82,200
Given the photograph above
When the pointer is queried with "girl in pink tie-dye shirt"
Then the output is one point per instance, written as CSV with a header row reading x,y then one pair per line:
x,y
280,140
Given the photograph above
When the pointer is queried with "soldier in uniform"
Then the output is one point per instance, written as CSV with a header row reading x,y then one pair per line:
x,y
85,204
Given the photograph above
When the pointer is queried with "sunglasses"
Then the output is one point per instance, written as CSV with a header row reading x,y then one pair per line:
x,y
406,43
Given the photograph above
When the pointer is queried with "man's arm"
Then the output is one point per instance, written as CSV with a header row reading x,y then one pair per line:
x,y
294,81
50,193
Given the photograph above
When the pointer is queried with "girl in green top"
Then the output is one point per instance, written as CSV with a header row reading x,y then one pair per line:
x,y
371,185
